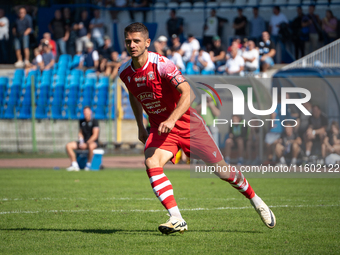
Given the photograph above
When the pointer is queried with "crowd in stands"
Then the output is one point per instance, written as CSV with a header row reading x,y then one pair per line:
x,y
251,50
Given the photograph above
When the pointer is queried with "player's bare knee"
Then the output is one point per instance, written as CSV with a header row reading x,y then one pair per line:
x,y
151,162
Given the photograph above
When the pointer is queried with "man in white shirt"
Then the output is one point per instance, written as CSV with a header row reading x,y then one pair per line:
x,y
275,21
210,29
203,62
97,29
235,64
176,58
251,57
189,49
4,27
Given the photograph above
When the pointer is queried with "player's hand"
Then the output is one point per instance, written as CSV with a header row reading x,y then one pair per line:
x,y
143,135
166,127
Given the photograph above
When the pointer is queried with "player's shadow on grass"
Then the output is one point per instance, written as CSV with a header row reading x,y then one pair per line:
x,y
90,231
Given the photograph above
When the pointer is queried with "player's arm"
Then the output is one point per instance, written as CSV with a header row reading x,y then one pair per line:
x,y
138,112
95,135
187,97
82,144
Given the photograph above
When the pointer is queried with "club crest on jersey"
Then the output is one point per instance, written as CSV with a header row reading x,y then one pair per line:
x,y
151,75
145,95
129,79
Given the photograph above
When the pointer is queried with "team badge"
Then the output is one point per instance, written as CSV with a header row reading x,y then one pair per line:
x,y
151,75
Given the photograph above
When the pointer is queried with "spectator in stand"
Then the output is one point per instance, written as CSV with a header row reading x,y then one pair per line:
x,y
176,44
235,64
329,27
139,4
316,131
275,22
175,25
237,137
21,31
299,38
257,26
161,45
189,49
83,32
97,29
176,58
4,36
106,56
240,24
60,31
212,27
47,39
303,121
116,4
70,44
288,146
47,58
313,22
331,143
251,57
90,60
236,43
218,52
267,53
203,63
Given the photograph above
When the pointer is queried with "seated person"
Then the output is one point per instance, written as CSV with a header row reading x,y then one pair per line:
x,y
251,57
175,42
237,137
267,53
217,52
37,59
42,61
203,62
288,146
176,58
90,60
316,131
87,140
107,56
331,143
161,45
48,40
235,64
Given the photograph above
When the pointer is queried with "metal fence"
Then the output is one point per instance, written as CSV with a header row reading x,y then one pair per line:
x,y
327,56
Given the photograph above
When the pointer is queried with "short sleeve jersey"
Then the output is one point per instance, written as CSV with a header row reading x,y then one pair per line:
x,y
154,86
87,127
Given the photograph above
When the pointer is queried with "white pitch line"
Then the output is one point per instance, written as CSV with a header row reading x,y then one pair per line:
x,y
185,209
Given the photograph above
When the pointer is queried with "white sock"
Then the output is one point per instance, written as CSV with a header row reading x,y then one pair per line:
x,y
174,211
282,160
88,164
256,200
307,153
75,164
293,161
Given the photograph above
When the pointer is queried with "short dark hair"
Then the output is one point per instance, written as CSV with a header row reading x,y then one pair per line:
x,y
137,27
277,7
87,107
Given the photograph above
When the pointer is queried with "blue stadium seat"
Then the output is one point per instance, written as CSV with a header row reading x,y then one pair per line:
x,y
75,61
99,111
41,112
56,112
9,111
24,112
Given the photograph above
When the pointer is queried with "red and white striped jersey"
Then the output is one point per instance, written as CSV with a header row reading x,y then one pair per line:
x,y
154,86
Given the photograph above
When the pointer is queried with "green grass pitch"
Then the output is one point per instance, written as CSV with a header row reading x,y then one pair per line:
x,y
116,212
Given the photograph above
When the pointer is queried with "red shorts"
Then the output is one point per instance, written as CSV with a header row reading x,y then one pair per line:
x,y
196,142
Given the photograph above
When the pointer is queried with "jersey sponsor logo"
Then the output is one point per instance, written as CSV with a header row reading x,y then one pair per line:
x,y
139,79
158,111
151,75
214,153
129,79
145,95
140,84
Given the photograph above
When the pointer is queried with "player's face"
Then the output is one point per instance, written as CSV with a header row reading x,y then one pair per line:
x,y
136,44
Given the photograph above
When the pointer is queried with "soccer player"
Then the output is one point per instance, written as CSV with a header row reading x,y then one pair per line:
x,y
158,87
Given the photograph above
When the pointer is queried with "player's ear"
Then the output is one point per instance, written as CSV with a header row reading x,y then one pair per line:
x,y
148,42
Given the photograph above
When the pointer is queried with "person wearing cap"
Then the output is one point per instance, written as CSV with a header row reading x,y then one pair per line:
x,y
175,42
161,45
175,25
240,23
218,52
97,29
90,60
189,49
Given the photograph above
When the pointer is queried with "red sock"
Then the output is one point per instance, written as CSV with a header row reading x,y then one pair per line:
x,y
239,182
162,187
